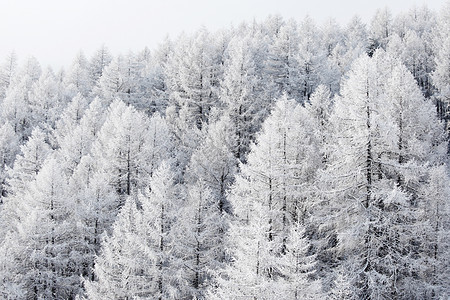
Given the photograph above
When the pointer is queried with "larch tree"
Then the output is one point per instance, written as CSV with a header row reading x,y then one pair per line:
x,y
16,107
119,269
122,79
283,64
120,148
46,101
97,63
380,30
213,162
94,205
7,71
435,193
77,78
312,57
200,247
354,43
160,211
374,173
70,118
9,148
415,29
45,266
29,162
441,76
268,197
192,74
243,89
154,78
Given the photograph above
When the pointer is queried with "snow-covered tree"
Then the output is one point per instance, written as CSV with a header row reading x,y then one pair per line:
x,y
94,205
200,228
269,196
28,164
374,171
97,63
160,211
119,269
213,162
9,148
283,65
121,148
192,74
77,79
243,89
44,264
7,72
441,76
380,30
46,101
312,57
16,107
70,118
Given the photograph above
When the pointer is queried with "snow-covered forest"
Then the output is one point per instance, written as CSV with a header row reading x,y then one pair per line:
x,y
280,159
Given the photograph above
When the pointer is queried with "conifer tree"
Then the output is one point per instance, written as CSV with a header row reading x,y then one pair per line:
x,y
374,175
119,269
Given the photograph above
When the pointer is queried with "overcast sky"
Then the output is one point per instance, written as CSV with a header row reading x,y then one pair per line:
x,y
55,30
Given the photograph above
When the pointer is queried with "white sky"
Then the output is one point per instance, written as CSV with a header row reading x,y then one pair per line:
x,y
55,30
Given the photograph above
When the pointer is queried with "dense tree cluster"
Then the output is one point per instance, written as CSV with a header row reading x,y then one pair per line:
x,y
274,160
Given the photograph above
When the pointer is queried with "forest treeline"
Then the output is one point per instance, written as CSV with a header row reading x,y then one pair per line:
x,y
278,159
